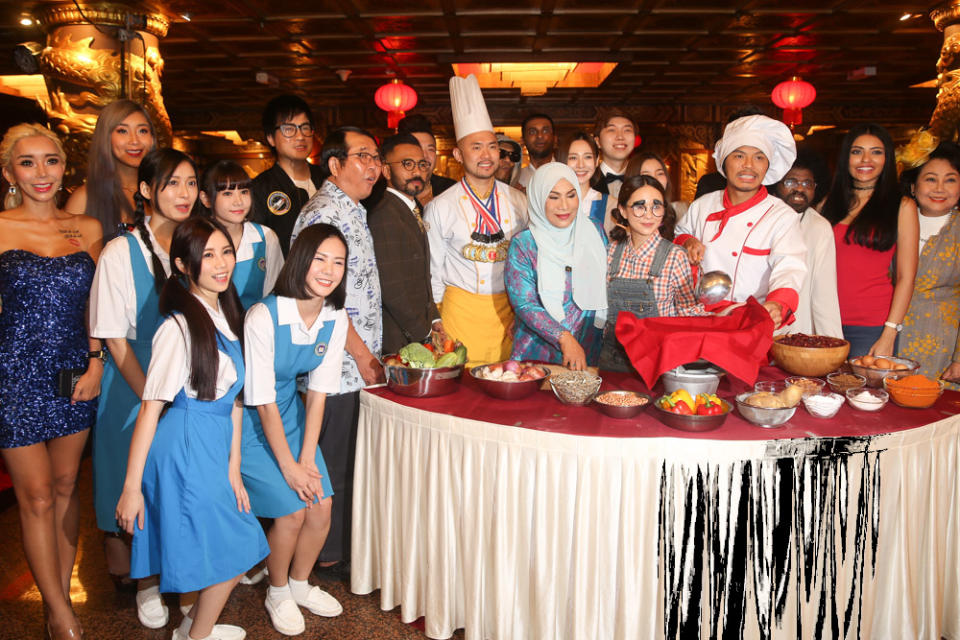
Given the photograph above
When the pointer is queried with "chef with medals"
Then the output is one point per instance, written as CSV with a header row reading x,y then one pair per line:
x,y
469,227
744,231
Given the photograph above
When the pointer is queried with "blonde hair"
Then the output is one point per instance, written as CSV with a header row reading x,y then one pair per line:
x,y
14,135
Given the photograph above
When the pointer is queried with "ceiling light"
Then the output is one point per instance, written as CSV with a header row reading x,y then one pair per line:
x,y
535,78
186,16
906,16
26,21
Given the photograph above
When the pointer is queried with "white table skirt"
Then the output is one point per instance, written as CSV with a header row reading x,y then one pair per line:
x,y
516,534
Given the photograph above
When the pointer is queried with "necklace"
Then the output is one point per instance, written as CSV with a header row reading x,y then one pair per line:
x,y
870,188
483,196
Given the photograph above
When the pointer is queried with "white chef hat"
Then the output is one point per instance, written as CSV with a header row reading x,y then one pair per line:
x,y
469,110
770,136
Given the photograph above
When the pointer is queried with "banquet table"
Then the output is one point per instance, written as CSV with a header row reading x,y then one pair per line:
x,y
530,519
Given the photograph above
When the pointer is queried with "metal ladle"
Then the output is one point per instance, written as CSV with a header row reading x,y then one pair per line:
x,y
713,287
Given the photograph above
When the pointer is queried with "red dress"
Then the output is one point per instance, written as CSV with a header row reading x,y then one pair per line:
x,y
864,283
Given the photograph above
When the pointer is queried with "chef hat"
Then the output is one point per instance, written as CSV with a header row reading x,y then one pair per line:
x,y
770,136
469,109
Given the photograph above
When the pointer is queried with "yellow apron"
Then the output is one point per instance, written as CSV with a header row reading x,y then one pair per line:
x,y
481,322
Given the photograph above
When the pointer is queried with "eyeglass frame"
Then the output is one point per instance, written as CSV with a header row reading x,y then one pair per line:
x,y
513,155
423,165
297,127
802,183
377,160
642,203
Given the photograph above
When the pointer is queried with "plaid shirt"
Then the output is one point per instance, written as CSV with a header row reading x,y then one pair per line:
x,y
673,289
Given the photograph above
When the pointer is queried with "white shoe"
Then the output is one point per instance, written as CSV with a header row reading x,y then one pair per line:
x,y
151,611
320,603
255,578
220,632
285,616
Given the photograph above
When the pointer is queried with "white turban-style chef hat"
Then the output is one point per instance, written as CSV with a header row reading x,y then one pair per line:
x,y
469,110
770,136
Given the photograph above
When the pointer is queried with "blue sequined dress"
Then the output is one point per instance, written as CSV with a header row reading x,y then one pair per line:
x,y
43,305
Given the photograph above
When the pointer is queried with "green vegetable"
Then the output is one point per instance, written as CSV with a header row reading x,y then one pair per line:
x,y
461,352
448,360
418,356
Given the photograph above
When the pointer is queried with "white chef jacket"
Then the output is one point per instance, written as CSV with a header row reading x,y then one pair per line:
x,y
818,312
274,254
113,296
450,219
169,369
761,249
258,332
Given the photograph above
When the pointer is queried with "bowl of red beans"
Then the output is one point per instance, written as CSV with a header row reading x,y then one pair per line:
x,y
805,355
622,403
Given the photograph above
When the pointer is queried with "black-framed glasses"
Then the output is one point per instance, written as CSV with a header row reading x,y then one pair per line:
x,y
640,208
367,158
288,130
409,164
790,183
513,155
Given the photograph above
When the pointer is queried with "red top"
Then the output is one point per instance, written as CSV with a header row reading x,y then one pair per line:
x,y
864,285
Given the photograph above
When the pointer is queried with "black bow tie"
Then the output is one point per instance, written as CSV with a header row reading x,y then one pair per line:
x,y
612,177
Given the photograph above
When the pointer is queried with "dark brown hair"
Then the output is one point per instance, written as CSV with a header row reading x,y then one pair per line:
x,y
221,176
606,115
631,184
291,283
189,242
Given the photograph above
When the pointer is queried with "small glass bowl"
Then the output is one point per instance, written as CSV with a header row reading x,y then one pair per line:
x,y
878,401
841,388
810,386
825,404
773,386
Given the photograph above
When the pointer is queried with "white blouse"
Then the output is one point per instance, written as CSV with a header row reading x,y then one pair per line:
x,y
274,254
113,295
169,370
258,332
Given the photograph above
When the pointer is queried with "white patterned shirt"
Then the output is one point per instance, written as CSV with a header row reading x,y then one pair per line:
x,y
332,206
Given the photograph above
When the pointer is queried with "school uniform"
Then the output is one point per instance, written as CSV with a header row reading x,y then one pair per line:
x,y
259,260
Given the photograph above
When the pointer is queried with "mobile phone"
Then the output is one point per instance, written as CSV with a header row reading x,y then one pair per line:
x,y
67,381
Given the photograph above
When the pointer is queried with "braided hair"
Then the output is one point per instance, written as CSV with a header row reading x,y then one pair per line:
x,y
155,170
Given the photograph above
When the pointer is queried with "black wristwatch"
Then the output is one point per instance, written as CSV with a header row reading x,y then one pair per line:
x,y
101,354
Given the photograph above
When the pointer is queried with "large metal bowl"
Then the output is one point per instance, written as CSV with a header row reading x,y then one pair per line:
x,y
622,411
696,377
507,390
762,416
691,423
875,376
422,383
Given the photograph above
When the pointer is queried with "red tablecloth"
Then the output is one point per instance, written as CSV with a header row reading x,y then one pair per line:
x,y
542,411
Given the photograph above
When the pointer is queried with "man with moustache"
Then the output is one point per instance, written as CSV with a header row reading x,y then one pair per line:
x,y
747,233
540,139
400,242
469,227
351,164
818,311
422,130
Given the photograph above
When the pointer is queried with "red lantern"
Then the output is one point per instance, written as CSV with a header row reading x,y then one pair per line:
x,y
792,96
395,98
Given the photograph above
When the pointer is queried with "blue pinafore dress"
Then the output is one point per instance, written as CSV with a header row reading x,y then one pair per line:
x,y
270,495
117,411
249,275
193,534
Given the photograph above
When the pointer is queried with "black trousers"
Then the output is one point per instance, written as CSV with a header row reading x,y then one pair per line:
x,y
338,443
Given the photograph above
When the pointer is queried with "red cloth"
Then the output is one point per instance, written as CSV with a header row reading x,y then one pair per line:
x,y
863,281
730,209
737,343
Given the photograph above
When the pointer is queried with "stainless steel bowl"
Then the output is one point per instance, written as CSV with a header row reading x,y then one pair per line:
x,y
622,411
692,377
762,416
507,390
691,423
422,383
875,376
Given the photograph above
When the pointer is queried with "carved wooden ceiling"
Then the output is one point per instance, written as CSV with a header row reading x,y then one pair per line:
x,y
678,61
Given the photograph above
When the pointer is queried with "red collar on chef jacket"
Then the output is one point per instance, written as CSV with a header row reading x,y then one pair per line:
x,y
730,210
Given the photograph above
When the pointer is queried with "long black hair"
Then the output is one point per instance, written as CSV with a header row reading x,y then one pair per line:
x,y
155,170
291,282
189,242
631,184
875,227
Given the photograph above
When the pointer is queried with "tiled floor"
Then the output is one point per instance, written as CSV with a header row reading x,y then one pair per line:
x,y
107,615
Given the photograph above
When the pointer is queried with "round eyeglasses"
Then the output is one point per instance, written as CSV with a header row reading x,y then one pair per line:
x,y
288,130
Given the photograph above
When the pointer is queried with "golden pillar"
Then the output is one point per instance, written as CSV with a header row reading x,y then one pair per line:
x,y
95,54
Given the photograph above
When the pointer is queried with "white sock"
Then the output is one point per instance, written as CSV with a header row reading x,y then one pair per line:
x,y
185,626
299,588
279,593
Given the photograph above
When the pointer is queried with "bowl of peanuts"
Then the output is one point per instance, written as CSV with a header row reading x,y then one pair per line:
x,y
621,403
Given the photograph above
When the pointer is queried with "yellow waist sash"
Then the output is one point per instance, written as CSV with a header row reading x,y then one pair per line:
x,y
481,322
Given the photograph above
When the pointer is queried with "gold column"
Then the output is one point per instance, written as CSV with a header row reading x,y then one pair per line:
x,y
81,63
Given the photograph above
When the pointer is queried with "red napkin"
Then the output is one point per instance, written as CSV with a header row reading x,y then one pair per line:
x,y
737,343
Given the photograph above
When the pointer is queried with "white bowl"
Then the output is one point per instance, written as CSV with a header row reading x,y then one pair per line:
x,y
825,404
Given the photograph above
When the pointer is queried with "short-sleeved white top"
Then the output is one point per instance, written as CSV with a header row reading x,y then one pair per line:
x,y
169,370
258,332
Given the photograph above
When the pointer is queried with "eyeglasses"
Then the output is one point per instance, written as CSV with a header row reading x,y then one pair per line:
x,y
640,208
410,164
367,158
790,183
513,155
288,130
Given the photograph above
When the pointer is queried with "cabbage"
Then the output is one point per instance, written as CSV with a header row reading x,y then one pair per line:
x,y
448,360
418,356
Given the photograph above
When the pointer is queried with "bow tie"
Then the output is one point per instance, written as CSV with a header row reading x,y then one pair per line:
x,y
612,177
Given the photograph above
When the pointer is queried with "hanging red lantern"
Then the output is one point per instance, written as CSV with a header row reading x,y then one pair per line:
x,y
792,96
395,98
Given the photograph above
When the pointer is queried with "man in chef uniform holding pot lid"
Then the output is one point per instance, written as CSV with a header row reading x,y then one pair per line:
x,y
744,231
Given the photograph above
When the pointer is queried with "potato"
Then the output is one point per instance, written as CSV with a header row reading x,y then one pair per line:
x,y
792,395
393,362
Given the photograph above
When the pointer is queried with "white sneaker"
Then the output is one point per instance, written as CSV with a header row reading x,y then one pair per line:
x,y
285,616
151,611
320,603
255,578
220,632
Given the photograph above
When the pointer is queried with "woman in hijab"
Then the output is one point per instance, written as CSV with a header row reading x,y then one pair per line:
x,y
555,275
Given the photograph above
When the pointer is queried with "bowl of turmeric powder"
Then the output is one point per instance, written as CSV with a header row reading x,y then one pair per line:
x,y
912,390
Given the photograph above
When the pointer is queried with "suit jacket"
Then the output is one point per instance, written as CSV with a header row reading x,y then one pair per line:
x,y
403,261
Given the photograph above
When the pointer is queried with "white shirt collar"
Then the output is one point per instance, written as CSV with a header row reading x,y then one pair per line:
x,y
605,168
288,313
410,202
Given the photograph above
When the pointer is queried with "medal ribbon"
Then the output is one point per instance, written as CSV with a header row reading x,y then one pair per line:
x,y
488,218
